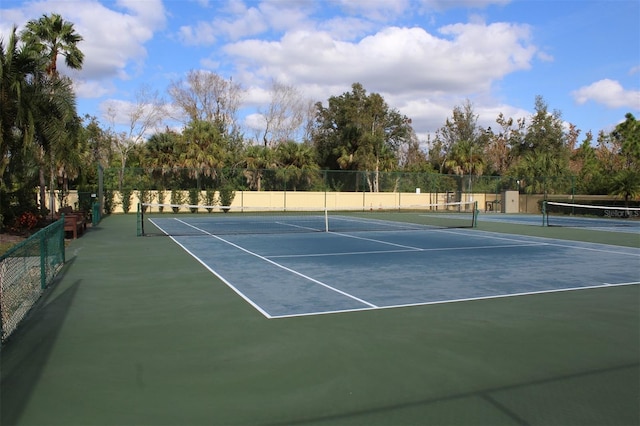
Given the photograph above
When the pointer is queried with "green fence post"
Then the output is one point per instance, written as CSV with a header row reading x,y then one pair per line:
x,y
94,214
43,259
139,219
61,241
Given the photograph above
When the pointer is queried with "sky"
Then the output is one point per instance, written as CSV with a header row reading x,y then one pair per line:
x,y
425,57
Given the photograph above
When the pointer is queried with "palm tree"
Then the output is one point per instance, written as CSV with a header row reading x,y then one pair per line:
x,y
204,150
52,36
626,184
296,163
20,71
70,149
56,131
257,159
161,153
465,159
18,65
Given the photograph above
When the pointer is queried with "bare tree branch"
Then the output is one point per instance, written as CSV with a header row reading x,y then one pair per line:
x,y
206,96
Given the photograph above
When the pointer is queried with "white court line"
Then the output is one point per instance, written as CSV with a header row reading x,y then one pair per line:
x,y
469,299
350,253
577,246
391,226
280,266
598,250
300,227
408,250
223,279
376,241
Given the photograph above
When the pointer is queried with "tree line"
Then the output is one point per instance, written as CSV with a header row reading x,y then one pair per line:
x,y
45,144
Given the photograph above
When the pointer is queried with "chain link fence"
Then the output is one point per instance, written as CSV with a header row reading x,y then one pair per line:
x,y
300,179
25,271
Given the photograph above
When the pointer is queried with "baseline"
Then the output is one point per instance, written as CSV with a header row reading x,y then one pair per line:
x,y
468,299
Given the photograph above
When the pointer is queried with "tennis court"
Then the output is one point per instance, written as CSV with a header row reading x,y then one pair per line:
x,y
321,272
423,323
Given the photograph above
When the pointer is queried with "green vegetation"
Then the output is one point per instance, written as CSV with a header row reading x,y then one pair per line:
x,y
305,146
5,246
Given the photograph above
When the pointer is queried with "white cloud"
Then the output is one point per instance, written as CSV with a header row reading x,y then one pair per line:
x,y
255,122
609,93
503,46
396,60
423,75
210,63
257,96
151,13
286,16
429,114
88,89
346,28
545,57
202,34
240,21
249,22
9,18
236,7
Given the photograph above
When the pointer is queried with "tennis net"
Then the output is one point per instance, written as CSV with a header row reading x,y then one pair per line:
x,y
585,215
182,219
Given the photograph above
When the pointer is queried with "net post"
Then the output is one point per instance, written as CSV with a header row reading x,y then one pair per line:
x,y
476,212
326,220
140,221
545,219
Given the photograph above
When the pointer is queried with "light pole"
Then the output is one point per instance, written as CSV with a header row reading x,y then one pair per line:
x,y
470,172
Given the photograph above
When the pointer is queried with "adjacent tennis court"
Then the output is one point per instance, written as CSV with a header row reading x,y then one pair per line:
x,y
567,215
320,272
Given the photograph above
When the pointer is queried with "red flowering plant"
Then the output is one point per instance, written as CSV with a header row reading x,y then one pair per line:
x,y
26,221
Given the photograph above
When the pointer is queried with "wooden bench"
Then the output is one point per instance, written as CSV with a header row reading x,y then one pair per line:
x,y
74,222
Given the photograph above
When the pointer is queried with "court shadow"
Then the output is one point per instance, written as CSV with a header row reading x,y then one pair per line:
x,y
487,395
24,355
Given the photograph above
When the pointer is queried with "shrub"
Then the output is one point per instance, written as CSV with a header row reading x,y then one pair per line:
x,y
109,202
227,194
126,199
161,195
194,198
144,195
177,197
209,199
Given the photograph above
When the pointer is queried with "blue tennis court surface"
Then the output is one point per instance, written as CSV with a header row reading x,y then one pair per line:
x,y
283,275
